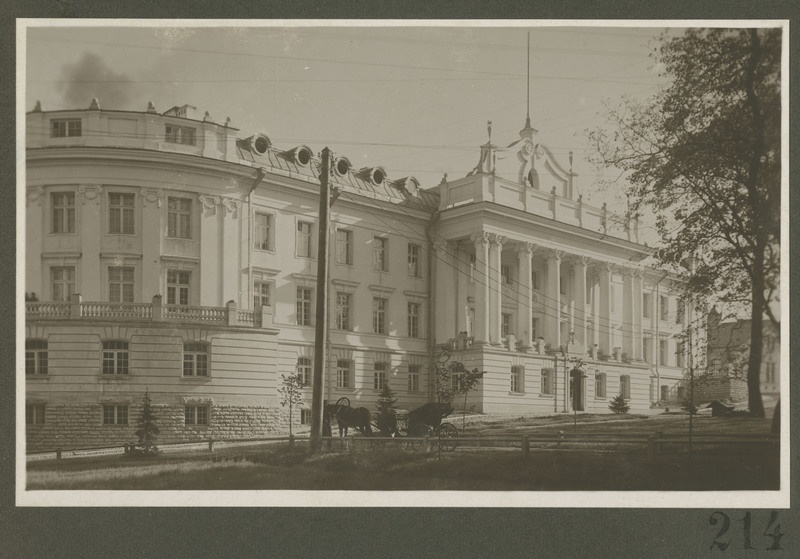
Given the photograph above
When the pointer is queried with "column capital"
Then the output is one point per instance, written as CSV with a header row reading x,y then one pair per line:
x,y
497,239
440,245
583,261
555,254
608,267
526,248
90,191
480,238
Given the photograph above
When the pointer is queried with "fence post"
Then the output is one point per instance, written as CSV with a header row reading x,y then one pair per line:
x,y
526,448
211,445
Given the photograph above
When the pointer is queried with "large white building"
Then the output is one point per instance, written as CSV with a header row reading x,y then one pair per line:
x,y
166,253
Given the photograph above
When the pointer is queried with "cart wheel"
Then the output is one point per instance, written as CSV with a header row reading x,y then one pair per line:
x,y
448,436
418,432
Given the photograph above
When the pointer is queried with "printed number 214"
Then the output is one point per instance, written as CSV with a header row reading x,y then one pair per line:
x,y
775,534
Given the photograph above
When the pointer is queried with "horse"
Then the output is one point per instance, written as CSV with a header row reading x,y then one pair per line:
x,y
357,418
430,414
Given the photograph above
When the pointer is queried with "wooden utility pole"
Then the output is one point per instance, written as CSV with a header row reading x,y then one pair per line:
x,y
321,327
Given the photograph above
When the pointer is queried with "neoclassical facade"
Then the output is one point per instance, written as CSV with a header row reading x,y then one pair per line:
x,y
168,253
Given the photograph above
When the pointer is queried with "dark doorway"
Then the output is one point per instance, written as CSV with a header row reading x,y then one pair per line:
x,y
576,389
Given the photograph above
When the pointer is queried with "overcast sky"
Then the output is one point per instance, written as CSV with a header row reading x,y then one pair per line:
x,y
415,100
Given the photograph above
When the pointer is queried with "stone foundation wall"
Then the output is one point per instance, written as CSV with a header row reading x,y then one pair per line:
x,y
81,425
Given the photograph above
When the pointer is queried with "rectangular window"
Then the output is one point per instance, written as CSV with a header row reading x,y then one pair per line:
x,y
505,329
115,415
517,376
115,357
65,128
304,306
179,135
344,247
663,355
305,239
647,305
413,320
63,282
195,359
413,378
414,269
120,213
35,357
120,284
664,301
304,370
600,385
505,272
196,415
34,414
457,382
178,287
379,376
63,208
179,218
625,386
262,232
342,311
262,291
379,315
547,381
343,373
305,416
379,254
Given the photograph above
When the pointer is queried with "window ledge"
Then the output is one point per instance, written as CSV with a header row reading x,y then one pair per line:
x,y
115,377
344,389
38,376
543,395
196,378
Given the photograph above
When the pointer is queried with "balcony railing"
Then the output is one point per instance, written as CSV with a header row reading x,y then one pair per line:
x,y
77,309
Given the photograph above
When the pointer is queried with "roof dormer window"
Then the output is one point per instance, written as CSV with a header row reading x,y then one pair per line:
x,y
180,135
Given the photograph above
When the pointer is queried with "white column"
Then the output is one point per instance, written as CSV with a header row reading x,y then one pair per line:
x,y
444,292
628,327
496,288
579,287
552,317
605,308
481,241
638,339
525,315
462,273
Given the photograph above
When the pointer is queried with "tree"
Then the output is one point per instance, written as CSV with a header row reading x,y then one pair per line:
x,y
452,377
291,391
618,404
704,155
387,411
146,429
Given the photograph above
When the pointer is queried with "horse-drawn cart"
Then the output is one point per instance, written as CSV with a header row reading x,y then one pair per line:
x,y
410,428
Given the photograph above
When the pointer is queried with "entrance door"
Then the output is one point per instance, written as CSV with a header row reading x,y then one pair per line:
x,y
576,389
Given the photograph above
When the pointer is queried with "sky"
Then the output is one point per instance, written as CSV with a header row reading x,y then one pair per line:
x,y
415,100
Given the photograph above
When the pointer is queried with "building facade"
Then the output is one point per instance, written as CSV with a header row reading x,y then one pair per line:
x,y
167,253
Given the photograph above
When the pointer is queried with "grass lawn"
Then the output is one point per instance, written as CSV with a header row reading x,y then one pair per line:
x,y
277,466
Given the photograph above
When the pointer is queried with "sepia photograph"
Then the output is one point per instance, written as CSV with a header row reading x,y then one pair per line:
x,y
395,263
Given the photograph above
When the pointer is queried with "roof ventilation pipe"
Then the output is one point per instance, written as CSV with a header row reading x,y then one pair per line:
x,y
342,166
300,155
259,144
376,175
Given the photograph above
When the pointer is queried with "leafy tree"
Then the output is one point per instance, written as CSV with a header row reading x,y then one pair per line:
x,y
704,154
618,404
452,377
291,391
146,429
387,410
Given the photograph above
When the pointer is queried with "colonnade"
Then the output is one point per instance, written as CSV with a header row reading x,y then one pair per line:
x,y
471,295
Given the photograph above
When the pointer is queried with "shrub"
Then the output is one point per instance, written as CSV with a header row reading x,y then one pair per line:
x,y
618,404
146,429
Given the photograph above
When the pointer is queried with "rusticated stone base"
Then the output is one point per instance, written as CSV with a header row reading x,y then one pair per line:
x,y
72,426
